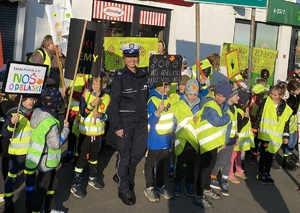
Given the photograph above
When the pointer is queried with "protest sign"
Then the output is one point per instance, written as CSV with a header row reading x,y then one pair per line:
x,y
23,78
91,48
164,69
232,63
114,56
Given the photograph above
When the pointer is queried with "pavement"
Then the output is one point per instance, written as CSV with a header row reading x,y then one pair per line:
x,y
247,197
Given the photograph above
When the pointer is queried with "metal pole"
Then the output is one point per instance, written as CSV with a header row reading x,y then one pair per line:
x,y
251,44
197,15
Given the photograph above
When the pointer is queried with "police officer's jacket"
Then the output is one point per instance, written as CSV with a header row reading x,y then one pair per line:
x,y
129,98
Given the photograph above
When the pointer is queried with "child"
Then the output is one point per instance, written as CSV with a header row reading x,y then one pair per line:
x,y
211,135
44,151
223,158
186,147
245,138
293,88
175,97
159,141
17,125
92,108
273,130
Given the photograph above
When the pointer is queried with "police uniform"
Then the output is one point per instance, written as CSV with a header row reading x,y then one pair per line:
x,y
129,113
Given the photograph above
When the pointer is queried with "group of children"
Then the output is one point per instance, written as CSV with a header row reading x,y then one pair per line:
x,y
215,126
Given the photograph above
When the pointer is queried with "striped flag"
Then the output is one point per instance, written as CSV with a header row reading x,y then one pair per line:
x,y
59,16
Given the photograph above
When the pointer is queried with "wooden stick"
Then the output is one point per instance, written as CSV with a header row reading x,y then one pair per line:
x,y
200,69
19,105
59,67
76,67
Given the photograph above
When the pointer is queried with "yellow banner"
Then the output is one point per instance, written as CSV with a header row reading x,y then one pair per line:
x,y
232,63
113,53
261,58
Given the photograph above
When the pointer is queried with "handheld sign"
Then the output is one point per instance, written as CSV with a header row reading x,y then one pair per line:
x,y
22,78
164,69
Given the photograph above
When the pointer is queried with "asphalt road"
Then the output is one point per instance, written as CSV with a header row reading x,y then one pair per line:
x,y
248,196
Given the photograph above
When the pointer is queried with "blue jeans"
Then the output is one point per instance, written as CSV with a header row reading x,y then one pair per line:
x,y
288,148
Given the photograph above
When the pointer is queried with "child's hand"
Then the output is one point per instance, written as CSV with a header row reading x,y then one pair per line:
x,y
95,102
15,119
202,80
161,107
195,118
66,123
97,114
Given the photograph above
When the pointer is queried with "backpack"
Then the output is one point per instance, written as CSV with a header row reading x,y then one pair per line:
x,y
28,55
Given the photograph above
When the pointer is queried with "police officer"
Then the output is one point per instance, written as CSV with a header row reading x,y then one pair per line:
x,y
129,116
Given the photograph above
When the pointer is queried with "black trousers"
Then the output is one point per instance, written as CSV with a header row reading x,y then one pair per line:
x,y
46,184
188,157
131,149
207,163
265,159
155,158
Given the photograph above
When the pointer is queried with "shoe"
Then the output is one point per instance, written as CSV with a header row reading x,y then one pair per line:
x,y
189,190
94,182
126,198
177,189
276,166
78,191
9,207
164,192
241,174
203,202
262,179
214,183
224,187
56,211
68,159
288,163
269,179
116,178
1,199
151,194
212,194
233,179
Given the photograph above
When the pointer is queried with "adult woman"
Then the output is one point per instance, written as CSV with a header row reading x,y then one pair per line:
x,y
162,47
129,116
46,55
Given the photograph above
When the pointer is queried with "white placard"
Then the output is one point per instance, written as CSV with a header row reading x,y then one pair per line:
x,y
24,78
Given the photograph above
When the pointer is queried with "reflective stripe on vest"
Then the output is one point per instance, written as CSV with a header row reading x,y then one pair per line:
x,y
209,136
19,144
165,123
293,123
185,129
88,126
271,126
246,136
233,118
38,144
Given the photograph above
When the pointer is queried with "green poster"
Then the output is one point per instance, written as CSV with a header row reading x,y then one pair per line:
x,y
113,53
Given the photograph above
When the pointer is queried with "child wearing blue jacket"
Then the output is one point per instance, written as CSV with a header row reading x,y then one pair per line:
x,y
160,135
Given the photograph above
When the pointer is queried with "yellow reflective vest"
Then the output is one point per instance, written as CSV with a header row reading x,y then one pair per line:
x,y
209,136
185,128
246,136
165,123
19,144
94,126
271,126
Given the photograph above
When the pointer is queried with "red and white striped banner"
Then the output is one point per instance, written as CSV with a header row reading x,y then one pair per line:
x,y
153,18
113,11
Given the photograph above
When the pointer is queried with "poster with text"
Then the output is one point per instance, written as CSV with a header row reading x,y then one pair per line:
x,y
23,78
164,69
90,51
232,63
114,56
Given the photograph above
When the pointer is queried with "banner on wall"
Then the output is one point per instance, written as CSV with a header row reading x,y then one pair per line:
x,y
113,53
261,59
90,51
59,17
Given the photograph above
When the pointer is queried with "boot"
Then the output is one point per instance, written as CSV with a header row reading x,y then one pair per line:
x,y
287,164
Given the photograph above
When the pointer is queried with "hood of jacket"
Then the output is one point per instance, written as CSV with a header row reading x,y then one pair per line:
x,y
38,115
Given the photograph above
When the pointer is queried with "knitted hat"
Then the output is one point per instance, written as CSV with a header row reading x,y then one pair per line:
x,y
51,98
234,91
184,80
244,97
224,88
191,87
